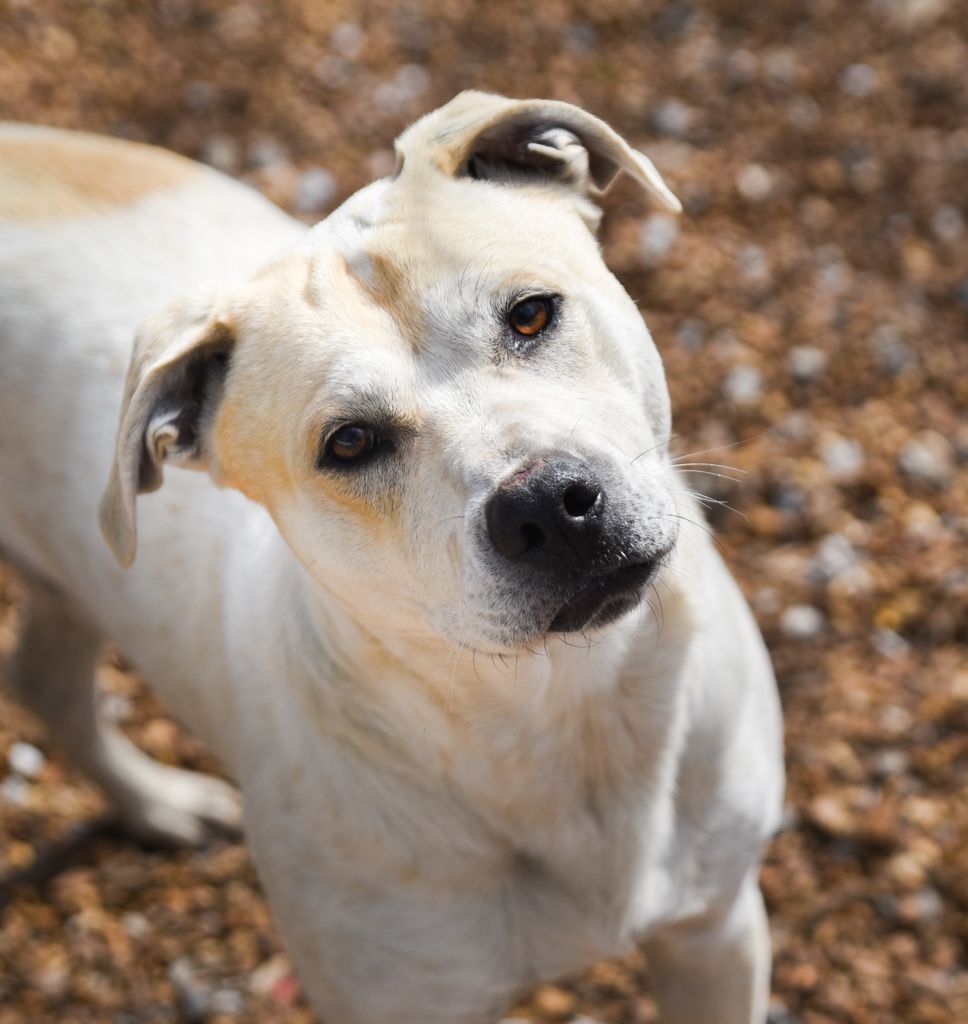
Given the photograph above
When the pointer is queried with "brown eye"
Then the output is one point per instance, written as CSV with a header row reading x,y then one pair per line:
x,y
531,316
352,442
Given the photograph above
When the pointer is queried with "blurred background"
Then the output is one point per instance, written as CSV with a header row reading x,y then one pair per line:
x,y
811,307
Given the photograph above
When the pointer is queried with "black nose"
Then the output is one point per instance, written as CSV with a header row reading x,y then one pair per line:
x,y
548,513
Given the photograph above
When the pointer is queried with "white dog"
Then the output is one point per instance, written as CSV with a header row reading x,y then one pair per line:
x,y
413,621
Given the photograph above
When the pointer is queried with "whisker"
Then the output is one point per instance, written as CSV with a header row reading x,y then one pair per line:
x,y
653,448
713,465
722,447
705,529
575,427
709,472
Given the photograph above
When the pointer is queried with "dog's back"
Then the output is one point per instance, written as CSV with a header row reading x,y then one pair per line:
x,y
96,234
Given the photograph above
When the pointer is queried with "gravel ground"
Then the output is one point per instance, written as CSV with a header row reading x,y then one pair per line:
x,y
811,308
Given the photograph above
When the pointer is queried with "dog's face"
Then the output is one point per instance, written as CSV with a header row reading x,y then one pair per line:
x,y
454,413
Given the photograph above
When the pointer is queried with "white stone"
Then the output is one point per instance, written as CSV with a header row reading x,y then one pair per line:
x,y
928,458
892,352
226,1002
859,80
803,112
348,39
673,117
315,188
26,760
136,925
14,791
806,362
754,183
889,644
781,66
802,622
947,224
743,385
269,973
742,66
835,555
754,265
843,457
657,237
222,153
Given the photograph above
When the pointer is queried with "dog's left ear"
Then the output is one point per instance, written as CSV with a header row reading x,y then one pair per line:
x,y
479,135
173,388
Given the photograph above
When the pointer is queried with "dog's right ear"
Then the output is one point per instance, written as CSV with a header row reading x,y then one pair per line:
x,y
487,137
174,384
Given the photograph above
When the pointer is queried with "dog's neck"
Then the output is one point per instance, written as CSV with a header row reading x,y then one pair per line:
x,y
539,737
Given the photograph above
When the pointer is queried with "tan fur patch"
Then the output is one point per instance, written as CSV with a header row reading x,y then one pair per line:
x,y
390,288
47,174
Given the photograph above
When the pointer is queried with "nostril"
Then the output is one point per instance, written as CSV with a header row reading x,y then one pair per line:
x,y
533,535
580,498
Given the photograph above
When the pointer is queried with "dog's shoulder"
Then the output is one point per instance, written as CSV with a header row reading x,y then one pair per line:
x,y
50,173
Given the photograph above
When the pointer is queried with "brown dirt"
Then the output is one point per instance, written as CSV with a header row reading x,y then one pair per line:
x,y
812,315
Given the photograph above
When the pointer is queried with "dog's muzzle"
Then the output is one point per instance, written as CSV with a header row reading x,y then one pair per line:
x,y
554,521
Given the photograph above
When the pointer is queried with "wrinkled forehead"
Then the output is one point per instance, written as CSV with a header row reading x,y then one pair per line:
x,y
409,244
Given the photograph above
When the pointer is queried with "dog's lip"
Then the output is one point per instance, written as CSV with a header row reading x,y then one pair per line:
x,y
605,597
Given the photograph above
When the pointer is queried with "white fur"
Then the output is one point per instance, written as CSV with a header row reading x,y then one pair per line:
x,y
440,815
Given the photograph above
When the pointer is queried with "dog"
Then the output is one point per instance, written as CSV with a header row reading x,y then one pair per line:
x,y
406,597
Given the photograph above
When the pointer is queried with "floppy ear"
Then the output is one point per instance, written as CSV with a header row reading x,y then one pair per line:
x,y
479,135
173,387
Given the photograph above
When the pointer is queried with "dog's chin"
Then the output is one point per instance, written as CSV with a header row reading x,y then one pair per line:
x,y
605,598
597,603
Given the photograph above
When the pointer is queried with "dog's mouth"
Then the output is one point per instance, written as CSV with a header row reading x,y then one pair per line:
x,y
605,598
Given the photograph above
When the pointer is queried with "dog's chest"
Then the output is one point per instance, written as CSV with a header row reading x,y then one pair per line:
x,y
534,834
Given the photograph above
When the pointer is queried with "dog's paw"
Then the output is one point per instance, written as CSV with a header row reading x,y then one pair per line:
x,y
181,808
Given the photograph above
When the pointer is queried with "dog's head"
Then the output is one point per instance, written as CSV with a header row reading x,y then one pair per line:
x,y
452,410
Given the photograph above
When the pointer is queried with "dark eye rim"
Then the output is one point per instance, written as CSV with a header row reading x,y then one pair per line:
x,y
382,444
551,304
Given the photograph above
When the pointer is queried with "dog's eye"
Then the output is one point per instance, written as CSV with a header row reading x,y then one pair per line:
x,y
351,443
531,316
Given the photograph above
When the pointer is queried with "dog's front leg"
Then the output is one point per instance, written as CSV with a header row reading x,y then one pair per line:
x,y
53,674
716,970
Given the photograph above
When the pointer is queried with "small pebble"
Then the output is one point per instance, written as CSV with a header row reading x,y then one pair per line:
x,y
266,152
802,622
26,760
673,117
222,153
14,791
314,190
803,112
835,555
743,385
893,354
581,38
754,265
754,183
843,457
228,1002
348,39
890,762
269,973
194,997
806,362
859,80
657,237
780,66
742,66
928,458
889,644
947,224
692,334
136,925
